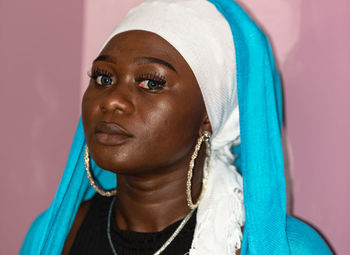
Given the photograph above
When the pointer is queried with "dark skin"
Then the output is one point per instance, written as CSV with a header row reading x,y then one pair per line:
x,y
142,115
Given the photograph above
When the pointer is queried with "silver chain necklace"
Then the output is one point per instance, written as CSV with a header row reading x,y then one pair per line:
x,y
164,246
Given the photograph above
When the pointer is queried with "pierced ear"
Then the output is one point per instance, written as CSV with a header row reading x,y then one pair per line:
x,y
205,125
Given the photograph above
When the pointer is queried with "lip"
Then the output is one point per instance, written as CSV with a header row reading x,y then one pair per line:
x,y
110,133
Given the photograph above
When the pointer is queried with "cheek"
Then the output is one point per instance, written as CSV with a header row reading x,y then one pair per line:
x,y
89,110
171,131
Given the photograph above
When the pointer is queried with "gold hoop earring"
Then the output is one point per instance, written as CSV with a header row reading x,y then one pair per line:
x,y
205,137
106,193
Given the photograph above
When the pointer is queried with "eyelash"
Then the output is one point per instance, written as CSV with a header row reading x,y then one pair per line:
x,y
96,72
152,77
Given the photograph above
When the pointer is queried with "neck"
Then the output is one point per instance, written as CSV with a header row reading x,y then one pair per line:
x,y
151,203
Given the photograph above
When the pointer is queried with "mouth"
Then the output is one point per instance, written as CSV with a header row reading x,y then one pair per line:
x,y
110,133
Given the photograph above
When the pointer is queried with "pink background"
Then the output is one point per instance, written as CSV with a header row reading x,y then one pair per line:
x,y
46,51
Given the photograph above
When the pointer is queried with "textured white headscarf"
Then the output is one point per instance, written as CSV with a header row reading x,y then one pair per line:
x,y
203,37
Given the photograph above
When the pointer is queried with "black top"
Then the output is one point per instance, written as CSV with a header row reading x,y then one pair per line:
x,y
92,235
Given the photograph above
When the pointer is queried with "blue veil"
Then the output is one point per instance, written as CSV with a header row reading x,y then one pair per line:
x,y
267,230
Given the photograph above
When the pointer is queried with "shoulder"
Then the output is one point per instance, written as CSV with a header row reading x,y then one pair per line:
x,y
33,239
303,239
83,209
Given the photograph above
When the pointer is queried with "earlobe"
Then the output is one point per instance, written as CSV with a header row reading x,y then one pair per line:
x,y
206,126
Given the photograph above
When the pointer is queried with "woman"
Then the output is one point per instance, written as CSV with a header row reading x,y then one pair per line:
x,y
161,111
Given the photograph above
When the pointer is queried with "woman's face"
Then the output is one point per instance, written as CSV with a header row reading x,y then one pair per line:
x,y
143,110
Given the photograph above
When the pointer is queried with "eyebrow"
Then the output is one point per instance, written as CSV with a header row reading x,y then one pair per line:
x,y
151,60
105,58
139,60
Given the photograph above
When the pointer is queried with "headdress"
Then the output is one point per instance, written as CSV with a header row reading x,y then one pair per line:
x,y
244,66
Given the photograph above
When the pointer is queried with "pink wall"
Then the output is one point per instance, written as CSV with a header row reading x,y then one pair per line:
x,y
316,75
311,41
40,69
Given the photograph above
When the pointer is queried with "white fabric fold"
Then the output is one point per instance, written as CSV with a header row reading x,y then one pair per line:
x,y
220,214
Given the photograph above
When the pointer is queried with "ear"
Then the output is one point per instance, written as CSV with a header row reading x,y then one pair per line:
x,y
205,126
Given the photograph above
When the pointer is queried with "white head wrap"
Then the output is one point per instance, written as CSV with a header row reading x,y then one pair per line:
x,y
203,37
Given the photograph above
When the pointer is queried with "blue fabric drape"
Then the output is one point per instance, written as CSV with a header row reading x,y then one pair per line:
x,y
260,152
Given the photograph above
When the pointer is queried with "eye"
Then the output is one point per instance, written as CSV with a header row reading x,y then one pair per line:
x,y
101,77
151,84
151,81
104,80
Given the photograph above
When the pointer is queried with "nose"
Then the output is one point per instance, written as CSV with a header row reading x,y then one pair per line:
x,y
117,99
